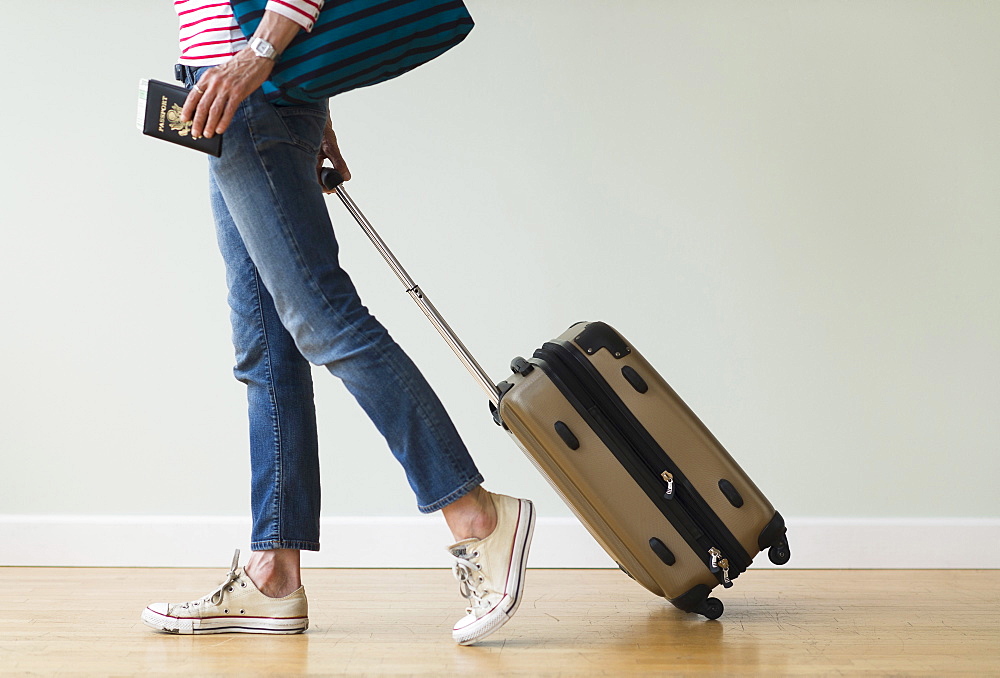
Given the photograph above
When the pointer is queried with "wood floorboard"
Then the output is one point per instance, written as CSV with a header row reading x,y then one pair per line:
x,y
574,623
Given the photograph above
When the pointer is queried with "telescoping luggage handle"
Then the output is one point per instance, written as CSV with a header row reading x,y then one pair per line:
x,y
333,181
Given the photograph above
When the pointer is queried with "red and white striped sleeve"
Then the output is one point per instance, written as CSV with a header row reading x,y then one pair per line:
x,y
208,32
302,12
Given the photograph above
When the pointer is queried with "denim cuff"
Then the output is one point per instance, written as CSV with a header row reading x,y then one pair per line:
x,y
270,544
469,486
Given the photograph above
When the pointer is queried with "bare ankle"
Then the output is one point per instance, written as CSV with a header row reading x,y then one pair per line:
x,y
275,573
472,516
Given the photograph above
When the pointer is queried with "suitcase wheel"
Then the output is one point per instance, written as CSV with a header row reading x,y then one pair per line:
x,y
711,608
779,553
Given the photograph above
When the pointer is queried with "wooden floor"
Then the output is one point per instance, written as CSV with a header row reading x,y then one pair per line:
x,y
85,621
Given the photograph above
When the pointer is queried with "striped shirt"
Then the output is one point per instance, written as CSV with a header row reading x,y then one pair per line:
x,y
210,35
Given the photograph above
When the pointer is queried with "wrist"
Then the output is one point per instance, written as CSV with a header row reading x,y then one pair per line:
x,y
263,48
277,30
249,58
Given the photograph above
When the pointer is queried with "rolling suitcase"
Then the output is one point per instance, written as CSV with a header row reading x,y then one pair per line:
x,y
634,463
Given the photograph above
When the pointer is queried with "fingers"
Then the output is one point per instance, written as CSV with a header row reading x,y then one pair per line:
x,y
338,164
341,167
319,175
330,150
218,112
191,103
204,104
214,107
198,104
212,103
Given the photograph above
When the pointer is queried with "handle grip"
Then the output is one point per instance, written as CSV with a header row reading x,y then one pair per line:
x,y
330,178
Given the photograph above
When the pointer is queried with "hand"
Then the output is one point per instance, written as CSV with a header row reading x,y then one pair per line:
x,y
329,150
213,101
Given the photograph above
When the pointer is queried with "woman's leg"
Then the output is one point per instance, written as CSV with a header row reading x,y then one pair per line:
x,y
266,178
285,489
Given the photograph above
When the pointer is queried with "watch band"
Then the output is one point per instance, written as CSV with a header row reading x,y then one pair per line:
x,y
263,48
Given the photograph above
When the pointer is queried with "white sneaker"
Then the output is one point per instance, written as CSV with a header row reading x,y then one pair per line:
x,y
235,606
490,571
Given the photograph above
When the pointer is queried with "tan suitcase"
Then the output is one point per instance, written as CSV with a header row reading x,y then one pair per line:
x,y
639,469
633,462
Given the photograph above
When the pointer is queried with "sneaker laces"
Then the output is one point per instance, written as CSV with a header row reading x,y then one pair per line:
x,y
470,581
220,590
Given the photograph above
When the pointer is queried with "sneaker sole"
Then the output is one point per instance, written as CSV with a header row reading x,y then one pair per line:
x,y
190,626
505,609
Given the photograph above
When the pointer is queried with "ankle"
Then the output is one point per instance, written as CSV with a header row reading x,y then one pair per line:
x,y
472,516
275,573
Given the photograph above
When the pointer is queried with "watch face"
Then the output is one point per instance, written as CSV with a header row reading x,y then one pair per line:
x,y
262,48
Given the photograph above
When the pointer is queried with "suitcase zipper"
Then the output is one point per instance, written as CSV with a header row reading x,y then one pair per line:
x,y
704,531
720,564
669,478
650,451
675,511
569,386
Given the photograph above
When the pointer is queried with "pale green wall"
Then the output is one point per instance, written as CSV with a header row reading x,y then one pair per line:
x,y
790,207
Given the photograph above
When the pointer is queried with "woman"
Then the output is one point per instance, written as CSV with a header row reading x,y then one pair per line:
x,y
292,305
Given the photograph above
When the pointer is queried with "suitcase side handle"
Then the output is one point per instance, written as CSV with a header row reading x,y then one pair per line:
x,y
333,181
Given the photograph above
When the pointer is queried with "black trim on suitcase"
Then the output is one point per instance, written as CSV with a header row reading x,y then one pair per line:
x,y
701,509
772,533
598,335
677,511
704,529
600,424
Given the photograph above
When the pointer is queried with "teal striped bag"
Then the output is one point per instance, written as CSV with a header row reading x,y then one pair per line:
x,y
358,43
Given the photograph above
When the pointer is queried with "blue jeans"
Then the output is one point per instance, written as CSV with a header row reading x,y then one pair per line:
x,y
291,305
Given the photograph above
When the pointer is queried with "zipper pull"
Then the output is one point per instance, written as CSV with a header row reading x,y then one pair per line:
x,y
720,564
669,478
724,564
716,556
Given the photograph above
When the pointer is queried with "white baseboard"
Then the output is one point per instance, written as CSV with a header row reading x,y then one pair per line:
x,y
419,541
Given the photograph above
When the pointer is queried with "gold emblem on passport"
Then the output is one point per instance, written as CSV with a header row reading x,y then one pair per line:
x,y
161,105
174,120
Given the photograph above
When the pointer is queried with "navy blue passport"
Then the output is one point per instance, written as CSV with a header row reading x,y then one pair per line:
x,y
159,115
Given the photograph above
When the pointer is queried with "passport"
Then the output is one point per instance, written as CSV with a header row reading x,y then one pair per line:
x,y
159,116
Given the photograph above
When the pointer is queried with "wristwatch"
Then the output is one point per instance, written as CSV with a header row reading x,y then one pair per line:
x,y
263,48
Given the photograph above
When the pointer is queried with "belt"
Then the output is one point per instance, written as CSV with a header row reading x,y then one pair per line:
x,y
182,71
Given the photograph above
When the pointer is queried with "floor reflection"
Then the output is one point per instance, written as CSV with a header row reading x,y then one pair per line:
x,y
218,653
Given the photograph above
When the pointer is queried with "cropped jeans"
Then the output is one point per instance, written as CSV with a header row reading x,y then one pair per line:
x,y
291,305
